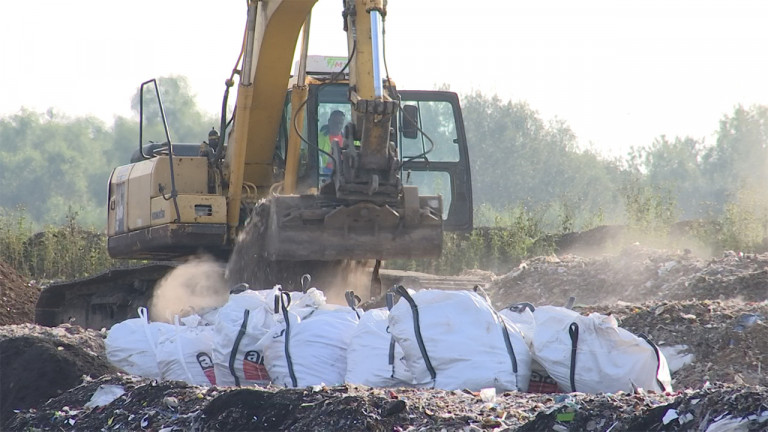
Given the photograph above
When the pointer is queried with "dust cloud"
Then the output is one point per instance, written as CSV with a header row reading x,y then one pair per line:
x,y
194,287
350,275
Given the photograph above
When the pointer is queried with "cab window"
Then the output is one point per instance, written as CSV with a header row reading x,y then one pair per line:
x,y
439,141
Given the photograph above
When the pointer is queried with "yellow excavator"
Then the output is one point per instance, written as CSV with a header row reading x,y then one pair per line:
x,y
279,190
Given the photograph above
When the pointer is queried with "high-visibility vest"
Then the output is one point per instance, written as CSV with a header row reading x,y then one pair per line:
x,y
324,143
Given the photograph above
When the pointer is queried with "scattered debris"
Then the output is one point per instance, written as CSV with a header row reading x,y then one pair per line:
x,y
708,316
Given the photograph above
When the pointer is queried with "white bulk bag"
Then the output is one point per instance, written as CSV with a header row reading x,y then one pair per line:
x,y
131,344
371,350
243,322
311,351
455,340
185,354
240,325
607,359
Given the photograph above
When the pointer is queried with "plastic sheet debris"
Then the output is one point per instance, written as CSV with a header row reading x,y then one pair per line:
x,y
105,394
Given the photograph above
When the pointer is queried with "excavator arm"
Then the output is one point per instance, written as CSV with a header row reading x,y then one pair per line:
x,y
272,30
364,212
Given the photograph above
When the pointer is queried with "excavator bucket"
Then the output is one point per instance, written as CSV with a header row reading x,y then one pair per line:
x,y
311,227
303,228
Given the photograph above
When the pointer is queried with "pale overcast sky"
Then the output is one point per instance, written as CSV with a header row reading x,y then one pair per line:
x,y
620,73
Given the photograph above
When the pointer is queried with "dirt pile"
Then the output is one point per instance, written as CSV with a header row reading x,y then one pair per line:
x,y
17,297
709,314
38,363
635,275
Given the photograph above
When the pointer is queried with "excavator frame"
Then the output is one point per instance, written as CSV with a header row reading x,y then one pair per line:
x,y
259,196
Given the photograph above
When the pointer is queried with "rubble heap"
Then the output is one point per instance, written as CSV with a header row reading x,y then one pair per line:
x,y
709,312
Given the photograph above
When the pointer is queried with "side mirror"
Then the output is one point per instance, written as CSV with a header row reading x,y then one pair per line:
x,y
410,121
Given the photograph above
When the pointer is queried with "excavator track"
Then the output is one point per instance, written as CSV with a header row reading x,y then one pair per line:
x,y
116,295
100,301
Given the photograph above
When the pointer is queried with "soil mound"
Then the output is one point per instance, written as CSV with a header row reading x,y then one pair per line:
x,y
634,275
35,367
18,297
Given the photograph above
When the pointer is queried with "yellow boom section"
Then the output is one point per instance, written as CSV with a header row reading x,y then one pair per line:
x,y
269,48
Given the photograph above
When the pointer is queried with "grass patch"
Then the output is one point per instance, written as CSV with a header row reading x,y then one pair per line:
x,y
63,252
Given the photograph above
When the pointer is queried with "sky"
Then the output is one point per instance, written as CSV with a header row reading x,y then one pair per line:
x,y
620,73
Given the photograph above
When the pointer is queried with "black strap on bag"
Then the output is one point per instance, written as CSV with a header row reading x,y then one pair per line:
x,y
417,329
521,307
508,343
283,299
306,279
353,301
504,330
573,332
236,346
658,360
239,288
390,298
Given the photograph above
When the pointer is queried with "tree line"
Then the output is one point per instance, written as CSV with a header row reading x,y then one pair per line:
x,y
53,165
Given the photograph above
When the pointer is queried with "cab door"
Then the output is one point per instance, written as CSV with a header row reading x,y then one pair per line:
x,y
436,159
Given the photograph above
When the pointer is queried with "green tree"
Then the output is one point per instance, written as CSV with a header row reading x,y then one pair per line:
x,y
518,158
676,166
739,159
53,162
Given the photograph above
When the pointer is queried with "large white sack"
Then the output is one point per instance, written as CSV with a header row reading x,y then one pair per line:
x,y
131,344
243,322
240,325
464,340
370,351
185,354
310,351
608,359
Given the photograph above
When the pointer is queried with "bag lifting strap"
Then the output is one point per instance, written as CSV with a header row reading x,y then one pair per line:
x,y
282,300
573,332
417,329
390,298
504,331
508,343
658,359
236,346
353,301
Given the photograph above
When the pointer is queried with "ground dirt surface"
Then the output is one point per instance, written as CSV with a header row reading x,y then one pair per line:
x,y
710,310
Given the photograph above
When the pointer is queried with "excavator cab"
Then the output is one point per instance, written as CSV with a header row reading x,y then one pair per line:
x,y
429,136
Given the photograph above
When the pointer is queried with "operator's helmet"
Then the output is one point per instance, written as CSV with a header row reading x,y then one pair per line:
x,y
213,138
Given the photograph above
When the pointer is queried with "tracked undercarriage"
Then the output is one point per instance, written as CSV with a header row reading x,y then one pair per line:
x,y
116,295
